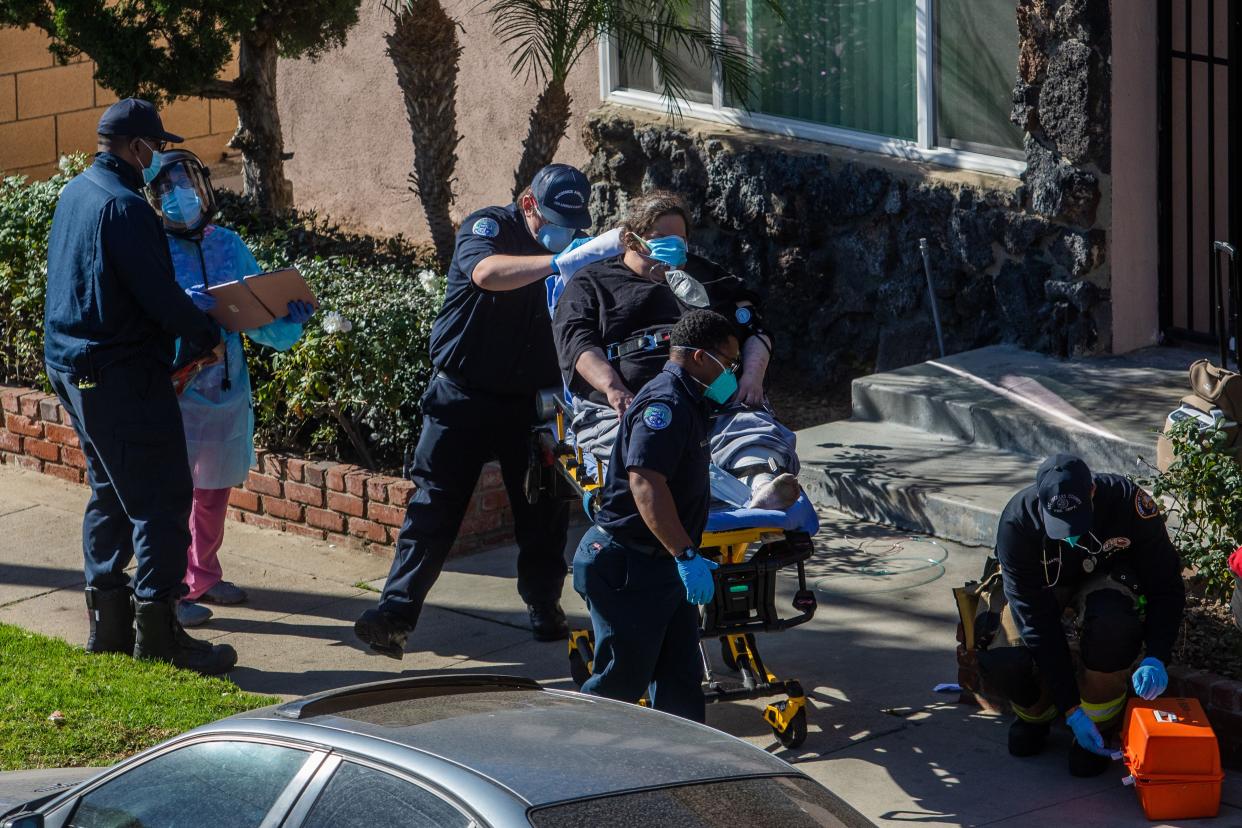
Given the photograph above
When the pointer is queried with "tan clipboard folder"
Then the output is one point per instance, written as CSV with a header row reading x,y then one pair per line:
x,y
254,301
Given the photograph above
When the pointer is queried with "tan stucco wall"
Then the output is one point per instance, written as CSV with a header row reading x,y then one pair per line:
x,y
48,110
344,121
1134,240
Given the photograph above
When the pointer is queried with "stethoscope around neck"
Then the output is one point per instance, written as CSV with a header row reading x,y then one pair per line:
x,y
1089,562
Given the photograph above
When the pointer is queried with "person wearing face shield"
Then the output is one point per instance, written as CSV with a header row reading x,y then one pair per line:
x,y
491,346
612,322
1094,546
638,567
216,407
112,318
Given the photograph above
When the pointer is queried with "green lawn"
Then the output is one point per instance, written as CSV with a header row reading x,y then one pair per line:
x,y
113,706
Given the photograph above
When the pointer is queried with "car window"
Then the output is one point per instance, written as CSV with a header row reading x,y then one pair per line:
x,y
205,783
791,802
362,797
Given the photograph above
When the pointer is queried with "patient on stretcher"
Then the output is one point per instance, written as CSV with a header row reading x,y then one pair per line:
x,y
611,325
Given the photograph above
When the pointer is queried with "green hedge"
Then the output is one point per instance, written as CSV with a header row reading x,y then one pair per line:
x,y
341,395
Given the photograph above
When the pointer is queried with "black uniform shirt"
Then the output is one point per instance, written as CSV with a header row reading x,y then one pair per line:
x,y
607,303
665,430
1127,529
499,342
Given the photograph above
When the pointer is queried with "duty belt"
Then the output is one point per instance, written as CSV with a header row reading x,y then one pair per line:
x,y
639,344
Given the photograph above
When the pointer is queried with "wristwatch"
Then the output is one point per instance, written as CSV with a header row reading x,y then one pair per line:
x,y
687,554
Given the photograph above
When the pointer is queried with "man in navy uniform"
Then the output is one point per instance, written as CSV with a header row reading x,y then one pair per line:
x,y
113,314
1095,544
492,350
638,567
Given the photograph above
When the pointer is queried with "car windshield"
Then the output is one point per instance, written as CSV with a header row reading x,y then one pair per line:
x,y
791,802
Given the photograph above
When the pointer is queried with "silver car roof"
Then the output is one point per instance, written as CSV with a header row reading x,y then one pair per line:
x,y
543,745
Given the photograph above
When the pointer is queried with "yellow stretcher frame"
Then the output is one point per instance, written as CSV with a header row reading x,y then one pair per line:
x,y
736,551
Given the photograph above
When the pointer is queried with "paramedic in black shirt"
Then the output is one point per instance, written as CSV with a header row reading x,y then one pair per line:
x,y
1094,544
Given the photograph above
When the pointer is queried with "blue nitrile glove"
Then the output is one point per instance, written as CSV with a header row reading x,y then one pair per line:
x,y
1150,679
696,574
1086,733
202,300
299,311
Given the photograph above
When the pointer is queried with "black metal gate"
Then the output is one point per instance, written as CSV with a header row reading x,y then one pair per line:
x,y
1200,100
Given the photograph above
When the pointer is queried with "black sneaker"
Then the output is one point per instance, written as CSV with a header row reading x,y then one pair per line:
x,y
1084,763
547,621
384,632
1027,738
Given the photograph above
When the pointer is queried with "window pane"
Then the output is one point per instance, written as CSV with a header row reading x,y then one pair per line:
x,y
209,783
846,63
361,797
638,72
976,65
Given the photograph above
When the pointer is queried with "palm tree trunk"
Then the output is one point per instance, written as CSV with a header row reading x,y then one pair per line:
x,y
425,50
548,122
258,134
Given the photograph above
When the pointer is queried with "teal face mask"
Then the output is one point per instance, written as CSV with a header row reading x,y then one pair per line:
x,y
723,387
1072,540
182,206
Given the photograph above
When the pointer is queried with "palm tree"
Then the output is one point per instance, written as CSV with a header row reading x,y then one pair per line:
x,y
425,49
548,37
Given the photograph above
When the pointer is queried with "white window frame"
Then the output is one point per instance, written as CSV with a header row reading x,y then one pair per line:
x,y
923,149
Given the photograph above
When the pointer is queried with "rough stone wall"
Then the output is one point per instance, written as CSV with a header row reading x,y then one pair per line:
x,y
829,236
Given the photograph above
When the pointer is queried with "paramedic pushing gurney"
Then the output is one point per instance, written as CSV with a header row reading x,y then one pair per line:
x,y
1095,544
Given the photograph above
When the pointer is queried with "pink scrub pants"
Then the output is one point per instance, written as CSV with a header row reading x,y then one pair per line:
x,y
203,569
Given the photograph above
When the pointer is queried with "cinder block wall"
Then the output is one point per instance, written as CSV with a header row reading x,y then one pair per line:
x,y
48,110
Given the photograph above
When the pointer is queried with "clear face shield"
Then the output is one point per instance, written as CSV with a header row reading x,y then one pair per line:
x,y
181,193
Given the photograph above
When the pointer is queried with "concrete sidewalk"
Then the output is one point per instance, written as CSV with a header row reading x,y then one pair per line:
x,y
883,637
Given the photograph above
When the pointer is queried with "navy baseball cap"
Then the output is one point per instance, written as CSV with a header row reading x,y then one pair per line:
x,y
135,118
1064,484
562,193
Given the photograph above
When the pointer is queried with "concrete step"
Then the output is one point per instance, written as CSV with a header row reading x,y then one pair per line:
x,y
1105,409
904,477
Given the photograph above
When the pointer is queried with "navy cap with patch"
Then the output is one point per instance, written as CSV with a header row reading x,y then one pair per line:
x,y
562,193
135,118
1064,485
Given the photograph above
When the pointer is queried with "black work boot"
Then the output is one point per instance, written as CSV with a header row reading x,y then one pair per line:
x,y
547,621
111,614
1027,738
383,631
1083,762
161,637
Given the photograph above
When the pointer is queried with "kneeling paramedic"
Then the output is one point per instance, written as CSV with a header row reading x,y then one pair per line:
x,y
638,568
216,408
113,313
1096,545
491,346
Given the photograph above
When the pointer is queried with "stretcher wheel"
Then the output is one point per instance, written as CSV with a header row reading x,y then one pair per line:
x,y
795,734
578,670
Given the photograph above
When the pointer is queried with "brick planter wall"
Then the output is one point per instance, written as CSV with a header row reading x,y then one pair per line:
x,y
323,500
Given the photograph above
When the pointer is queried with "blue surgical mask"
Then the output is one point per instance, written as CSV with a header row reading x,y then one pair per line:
x,y
555,238
671,250
157,160
182,206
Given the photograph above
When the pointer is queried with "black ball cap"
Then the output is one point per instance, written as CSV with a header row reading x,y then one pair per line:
x,y
1064,484
135,118
562,193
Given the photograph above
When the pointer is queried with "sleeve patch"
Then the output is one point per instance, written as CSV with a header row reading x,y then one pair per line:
x,y
1145,506
657,416
487,228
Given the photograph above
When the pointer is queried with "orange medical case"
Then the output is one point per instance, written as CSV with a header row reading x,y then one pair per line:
x,y
1173,757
